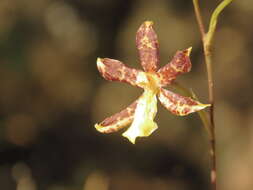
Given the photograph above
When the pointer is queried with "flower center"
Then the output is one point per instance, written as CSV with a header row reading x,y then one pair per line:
x,y
149,81
153,82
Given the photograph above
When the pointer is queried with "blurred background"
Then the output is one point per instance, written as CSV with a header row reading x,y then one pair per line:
x,y
51,95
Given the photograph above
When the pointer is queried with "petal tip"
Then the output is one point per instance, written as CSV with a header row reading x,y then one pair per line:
x,y
99,61
188,51
201,107
206,105
100,64
98,127
148,23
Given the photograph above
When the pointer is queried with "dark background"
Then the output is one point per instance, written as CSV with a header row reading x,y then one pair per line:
x,y
51,95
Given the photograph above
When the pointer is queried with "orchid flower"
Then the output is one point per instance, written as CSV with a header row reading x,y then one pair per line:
x,y
141,113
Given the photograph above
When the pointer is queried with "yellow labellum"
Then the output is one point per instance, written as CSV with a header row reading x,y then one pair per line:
x,y
143,124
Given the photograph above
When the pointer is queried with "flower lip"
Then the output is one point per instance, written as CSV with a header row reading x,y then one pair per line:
x,y
143,124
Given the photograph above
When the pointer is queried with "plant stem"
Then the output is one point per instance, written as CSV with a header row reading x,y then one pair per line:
x,y
208,60
212,138
199,19
207,40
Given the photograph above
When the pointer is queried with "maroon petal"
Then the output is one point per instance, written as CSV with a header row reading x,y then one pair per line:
x,y
118,120
179,105
147,45
114,70
180,63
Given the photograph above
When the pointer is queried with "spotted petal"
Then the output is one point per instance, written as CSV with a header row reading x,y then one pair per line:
x,y
143,124
114,70
179,105
180,63
118,120
147,45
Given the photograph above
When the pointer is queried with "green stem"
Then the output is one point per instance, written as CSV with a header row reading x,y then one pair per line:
x,y
214,19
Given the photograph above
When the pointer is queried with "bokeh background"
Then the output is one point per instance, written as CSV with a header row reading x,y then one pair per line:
x,y
51,95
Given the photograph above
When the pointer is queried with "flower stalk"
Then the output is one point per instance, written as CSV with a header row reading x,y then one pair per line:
x,y
207,41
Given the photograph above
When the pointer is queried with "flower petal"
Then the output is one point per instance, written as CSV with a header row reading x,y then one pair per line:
x,y
143,124
114,70
179,105
180,63
118,120
147,45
